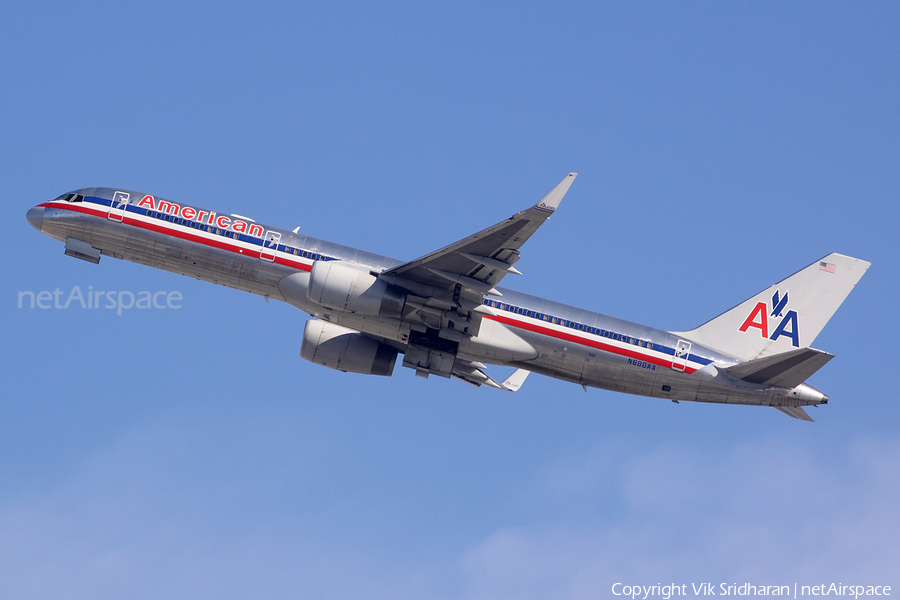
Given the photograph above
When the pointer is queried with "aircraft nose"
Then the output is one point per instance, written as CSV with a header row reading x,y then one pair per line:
x,y
35,217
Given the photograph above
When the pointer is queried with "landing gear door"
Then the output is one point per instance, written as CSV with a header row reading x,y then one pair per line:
x,y
270,245
117,206
682,350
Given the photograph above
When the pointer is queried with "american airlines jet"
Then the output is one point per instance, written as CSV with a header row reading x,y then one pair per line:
x,y
447,314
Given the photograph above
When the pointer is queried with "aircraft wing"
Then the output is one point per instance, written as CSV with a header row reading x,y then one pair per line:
x,y
478,262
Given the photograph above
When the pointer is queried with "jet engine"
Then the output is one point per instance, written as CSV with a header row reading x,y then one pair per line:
x,y
340,286
346,350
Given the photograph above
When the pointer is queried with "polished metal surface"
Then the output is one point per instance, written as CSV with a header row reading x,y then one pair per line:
x,y
444,306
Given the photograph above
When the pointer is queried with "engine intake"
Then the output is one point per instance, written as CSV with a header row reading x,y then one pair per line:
x,y
340,286
337,347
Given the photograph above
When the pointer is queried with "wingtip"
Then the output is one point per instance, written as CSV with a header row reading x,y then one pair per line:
x,y
550,202
515,380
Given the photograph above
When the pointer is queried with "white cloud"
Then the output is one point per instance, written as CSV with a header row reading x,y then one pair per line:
x,y
767,513
131,523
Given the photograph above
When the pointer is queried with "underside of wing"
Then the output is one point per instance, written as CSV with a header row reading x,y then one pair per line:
x,y
480,261
447,286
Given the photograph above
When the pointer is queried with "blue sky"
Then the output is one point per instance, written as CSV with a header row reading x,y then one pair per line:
x,y
192,453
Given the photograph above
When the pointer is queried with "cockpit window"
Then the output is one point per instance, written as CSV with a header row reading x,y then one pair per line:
x,y
71,197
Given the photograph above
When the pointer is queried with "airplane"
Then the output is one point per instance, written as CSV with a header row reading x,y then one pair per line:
x,y
448,317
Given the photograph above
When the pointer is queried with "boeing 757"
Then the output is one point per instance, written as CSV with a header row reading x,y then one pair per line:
x,y
447,314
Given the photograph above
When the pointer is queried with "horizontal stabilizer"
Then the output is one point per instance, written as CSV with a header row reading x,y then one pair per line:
x,y
794,411
788,369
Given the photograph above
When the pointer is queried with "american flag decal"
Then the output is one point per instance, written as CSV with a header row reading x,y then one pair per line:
x,y
827,267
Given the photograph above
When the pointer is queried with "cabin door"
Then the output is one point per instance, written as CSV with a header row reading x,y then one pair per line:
x,y
117,206
270,245
682,350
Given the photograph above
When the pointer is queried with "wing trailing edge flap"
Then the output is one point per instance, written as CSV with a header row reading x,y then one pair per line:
x,y
788,369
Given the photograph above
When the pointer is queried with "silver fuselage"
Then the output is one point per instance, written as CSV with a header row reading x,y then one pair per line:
x,y
559,340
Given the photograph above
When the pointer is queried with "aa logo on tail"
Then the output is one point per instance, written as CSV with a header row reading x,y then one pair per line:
x,y
761,317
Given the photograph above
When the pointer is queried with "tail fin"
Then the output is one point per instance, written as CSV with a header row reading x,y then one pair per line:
x,y
787,316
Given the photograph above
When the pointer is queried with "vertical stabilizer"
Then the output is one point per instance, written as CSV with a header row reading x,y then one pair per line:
x,y
787,316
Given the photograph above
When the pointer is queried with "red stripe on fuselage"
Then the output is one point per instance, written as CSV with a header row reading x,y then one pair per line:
x,y
221,245
214,243
584,341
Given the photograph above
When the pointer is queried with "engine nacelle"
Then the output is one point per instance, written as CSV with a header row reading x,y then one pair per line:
x,y
337,347
340,286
